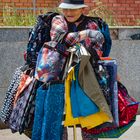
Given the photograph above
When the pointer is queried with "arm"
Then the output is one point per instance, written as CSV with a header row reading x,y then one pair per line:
x,y
59,28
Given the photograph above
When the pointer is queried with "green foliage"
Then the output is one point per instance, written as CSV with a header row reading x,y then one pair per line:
x,y
11,17
138,22
102,11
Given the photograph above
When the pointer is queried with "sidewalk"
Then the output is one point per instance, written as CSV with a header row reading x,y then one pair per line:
x,y
132,134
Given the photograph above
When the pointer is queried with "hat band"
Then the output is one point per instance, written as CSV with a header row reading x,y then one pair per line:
x,y
74,2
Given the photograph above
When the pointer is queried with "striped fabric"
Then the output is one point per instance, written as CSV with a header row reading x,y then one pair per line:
x,y
115,133
19,108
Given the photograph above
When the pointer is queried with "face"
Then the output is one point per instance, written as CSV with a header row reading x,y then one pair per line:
x,y
72,14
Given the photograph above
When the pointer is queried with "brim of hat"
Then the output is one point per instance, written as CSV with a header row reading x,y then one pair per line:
x,y
71,6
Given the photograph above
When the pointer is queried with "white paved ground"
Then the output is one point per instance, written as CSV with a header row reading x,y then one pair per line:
x,y
132,134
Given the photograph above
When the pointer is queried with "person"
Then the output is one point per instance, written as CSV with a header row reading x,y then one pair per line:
x,y
70,27
76,27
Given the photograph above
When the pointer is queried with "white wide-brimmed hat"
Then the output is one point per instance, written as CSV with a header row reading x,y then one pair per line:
x,y
72,4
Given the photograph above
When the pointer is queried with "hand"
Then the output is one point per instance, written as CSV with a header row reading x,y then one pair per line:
x,y
95,36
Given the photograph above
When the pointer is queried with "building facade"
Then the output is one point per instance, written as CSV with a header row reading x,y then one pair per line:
x,y
127,12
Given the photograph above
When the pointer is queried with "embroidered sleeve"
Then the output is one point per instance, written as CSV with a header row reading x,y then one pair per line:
x,y
59,27
93,26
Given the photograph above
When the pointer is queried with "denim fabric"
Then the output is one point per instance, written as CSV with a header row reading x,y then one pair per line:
x,y
49,113
39,105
